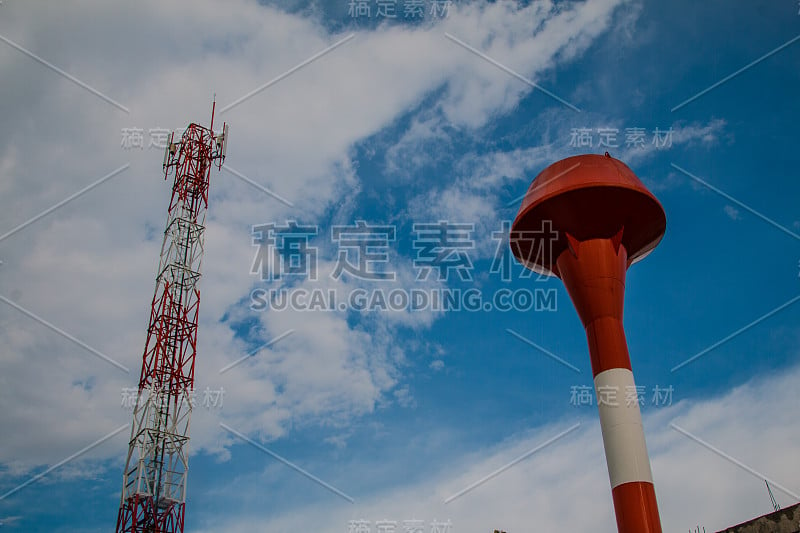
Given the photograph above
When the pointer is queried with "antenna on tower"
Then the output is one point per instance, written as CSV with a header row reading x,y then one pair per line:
x,y
772,497
169,151
213,108
221,140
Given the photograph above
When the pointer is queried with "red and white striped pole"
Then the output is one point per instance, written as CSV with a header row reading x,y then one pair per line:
x,y
593,272
604,219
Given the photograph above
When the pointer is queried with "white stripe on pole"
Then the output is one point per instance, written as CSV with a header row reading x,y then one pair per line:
x,y
621,424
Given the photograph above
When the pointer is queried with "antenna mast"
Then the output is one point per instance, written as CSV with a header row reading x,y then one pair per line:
x,y
154,481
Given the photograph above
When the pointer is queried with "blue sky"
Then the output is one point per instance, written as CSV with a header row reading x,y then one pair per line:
x,y
397,125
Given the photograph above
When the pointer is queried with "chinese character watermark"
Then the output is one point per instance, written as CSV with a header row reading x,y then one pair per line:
x,y
134,138
212,398
581,395
535,246
363,251
369,244
443,247
284,251
660,396
410,10
405,526
608,137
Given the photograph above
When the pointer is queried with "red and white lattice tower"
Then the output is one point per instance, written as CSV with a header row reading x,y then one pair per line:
x,y
154,480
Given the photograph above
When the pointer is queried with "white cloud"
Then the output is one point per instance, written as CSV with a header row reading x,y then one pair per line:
x,y
678,135
732,212
89,266
426,141
565,485
477,191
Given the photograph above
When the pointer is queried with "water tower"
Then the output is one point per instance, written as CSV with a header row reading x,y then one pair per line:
x,y
604,219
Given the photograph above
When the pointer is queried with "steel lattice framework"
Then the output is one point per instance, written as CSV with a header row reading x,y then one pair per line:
x,y
154,480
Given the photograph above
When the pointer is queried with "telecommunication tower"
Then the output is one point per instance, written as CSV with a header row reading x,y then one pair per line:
x,y
154,480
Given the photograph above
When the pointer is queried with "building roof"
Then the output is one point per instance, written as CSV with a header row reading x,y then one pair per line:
x,y
785,520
